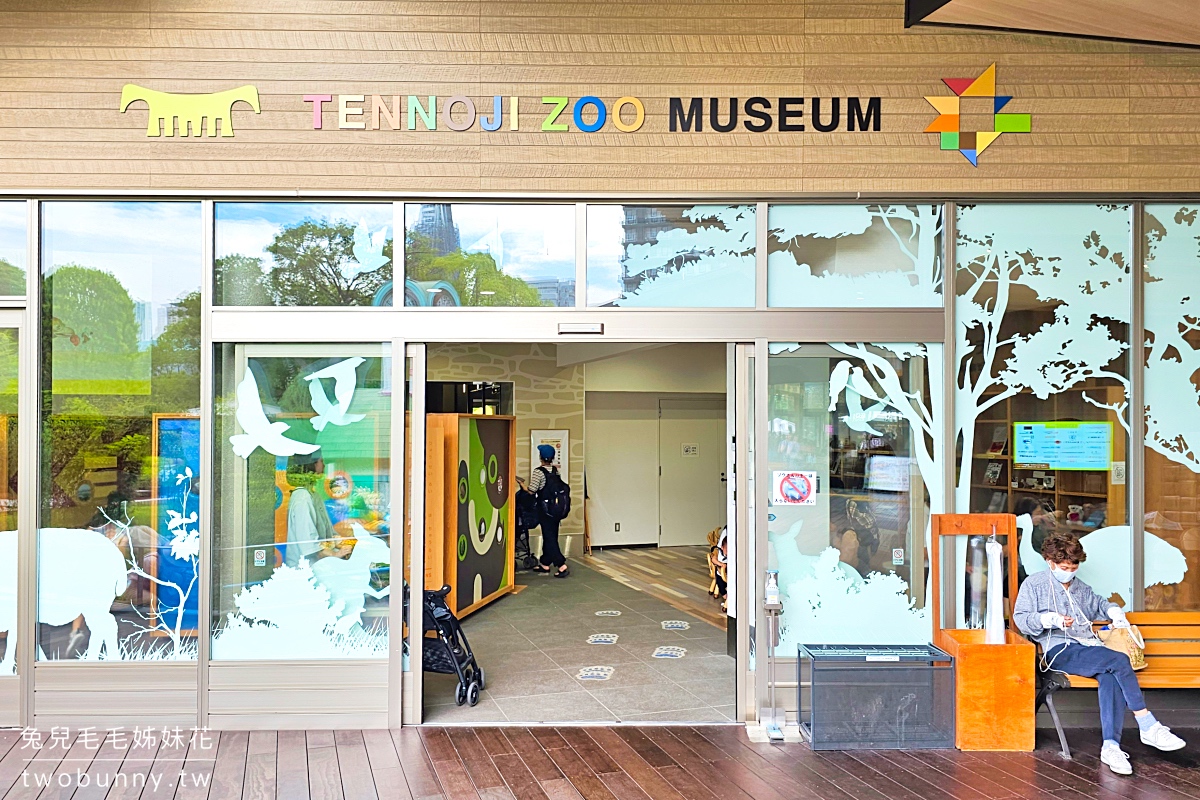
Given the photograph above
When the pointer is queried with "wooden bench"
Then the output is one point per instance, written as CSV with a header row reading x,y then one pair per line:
x,y
1172,661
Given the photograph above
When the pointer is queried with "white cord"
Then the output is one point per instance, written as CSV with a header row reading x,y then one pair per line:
x,y
1049,666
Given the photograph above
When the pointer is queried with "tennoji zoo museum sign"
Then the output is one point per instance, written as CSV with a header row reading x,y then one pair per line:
x,y
195,114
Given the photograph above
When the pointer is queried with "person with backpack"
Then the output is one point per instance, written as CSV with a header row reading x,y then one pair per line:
x,y
553,498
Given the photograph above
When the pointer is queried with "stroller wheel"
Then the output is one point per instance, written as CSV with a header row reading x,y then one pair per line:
x,y
479,677
473,693
460,695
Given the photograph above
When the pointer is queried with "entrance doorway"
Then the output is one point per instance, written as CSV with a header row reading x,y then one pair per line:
x,y
636,629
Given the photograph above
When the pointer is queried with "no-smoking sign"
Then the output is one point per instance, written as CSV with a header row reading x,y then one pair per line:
x,y
794,488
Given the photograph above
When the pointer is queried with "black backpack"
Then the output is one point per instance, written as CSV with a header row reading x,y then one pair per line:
x,y
554,499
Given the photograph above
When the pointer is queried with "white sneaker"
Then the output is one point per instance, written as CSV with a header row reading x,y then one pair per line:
x,y
1116,759
1160,736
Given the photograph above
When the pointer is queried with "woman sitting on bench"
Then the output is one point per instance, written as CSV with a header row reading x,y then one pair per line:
x,y
1056,610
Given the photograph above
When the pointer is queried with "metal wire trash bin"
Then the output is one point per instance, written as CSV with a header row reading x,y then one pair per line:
x,y
878,697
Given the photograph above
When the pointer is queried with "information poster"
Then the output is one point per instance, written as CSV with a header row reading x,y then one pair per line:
x,y
560,440
1063,445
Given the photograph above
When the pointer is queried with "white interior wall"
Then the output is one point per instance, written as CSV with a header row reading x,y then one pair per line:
x,y
621,430
698,367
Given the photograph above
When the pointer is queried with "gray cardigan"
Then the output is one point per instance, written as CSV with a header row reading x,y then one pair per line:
x,y
1041,593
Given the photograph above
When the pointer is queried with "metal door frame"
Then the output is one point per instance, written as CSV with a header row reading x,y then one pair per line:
x,y
21,682
411,697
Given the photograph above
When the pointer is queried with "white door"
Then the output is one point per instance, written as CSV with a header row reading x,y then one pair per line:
x,y
691,457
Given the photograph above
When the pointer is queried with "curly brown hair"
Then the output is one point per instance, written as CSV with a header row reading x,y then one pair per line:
x,y
1059,547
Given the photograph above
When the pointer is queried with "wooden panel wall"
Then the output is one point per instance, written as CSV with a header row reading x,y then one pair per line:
x,y
1107,117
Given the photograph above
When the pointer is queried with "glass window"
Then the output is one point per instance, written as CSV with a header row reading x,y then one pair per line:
x,y
302,554
1042,312
854,256
118,553
9,359
14,246
470,254
853,471
664,257
1172,451
303,254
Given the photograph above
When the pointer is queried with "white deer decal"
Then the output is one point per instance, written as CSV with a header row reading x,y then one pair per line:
x,y
349,579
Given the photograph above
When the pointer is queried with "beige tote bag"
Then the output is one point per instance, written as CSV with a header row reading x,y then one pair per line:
x,y
1128,641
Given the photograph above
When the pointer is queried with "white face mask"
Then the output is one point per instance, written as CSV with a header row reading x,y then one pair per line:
x,y
1061,575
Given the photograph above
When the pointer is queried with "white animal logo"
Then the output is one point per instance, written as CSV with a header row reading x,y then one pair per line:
x,y
608,613
260,431
675,625
80,572
349,579
344,383
602,638
368,248
1108,552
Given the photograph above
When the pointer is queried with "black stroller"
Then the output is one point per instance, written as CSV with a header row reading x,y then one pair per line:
x,y
449,653
527,517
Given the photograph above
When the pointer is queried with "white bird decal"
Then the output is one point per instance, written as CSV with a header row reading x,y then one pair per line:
x,y
368,248
344,384
859,419
260,431
1109,553
837,382
860,384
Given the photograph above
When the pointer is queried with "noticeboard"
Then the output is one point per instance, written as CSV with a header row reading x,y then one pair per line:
x,y
1063,445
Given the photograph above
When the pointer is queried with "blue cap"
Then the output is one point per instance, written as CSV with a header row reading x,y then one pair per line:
x,y
546,451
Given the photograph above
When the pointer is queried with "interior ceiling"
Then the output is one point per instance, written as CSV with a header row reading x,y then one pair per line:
x,y
1164,21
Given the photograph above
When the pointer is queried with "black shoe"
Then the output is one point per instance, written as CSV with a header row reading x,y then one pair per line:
x,y
562,573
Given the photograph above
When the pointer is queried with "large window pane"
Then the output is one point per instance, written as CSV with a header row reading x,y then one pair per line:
x,y
1042,340
854,256
471,254
119,545
665,257
1172,451
301,556
853,474
8,499
14,246
303,254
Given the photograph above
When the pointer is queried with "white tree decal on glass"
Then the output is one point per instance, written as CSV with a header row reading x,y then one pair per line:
x,y
712,266
1070,258
825,600
1172,322
888,256
165,620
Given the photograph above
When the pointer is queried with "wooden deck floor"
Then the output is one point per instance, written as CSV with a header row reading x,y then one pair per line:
x,y
612,763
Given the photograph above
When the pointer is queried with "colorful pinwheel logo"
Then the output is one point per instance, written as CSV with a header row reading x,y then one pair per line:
x,y
972,143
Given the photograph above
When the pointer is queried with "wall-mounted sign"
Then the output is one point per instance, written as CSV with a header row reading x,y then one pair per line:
x,y
194,112
980,91
591,114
